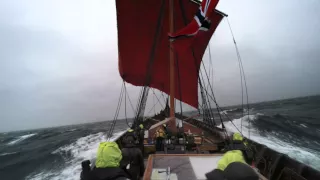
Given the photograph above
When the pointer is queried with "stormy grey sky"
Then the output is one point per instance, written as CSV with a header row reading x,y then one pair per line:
x,y
59,58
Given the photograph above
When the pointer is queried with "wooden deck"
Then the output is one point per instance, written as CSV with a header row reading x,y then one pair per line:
x,y
183,165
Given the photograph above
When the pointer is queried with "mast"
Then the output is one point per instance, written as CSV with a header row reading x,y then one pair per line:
x,y
172,88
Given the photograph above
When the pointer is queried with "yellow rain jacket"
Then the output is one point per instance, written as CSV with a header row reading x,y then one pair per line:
x,y
238,137
230,157
160,133
109,155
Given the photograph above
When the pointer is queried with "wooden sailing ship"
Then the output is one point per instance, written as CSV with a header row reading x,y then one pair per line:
x,y
155,52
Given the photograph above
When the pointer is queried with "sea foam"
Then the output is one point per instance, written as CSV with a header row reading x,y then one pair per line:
x,y
301,154
21,138
85,148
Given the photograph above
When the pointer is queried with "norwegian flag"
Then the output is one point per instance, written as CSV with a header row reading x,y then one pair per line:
x,y
200,20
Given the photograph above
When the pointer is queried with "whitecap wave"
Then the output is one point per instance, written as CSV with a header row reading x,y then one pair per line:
x,y
5,154
21,138
303,125
301,154
71,130
85,148
230,110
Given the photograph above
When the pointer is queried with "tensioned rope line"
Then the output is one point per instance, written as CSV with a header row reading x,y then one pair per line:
x,y
215,101
179,84
229,118
130,101
125,103
157,98
224,130
206,111
210,59
242,106
164,99
153,107
210,67
244,77
211,115
138,102
211,85
110,132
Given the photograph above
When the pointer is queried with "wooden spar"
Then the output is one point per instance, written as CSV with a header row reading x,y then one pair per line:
x,y
172,108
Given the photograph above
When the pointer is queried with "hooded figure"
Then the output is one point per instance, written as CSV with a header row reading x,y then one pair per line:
x,y
234,171
159,136
236,142
237,152
141,137
107,165
132,159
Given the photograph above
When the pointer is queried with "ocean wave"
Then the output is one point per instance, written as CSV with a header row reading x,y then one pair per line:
x,y
301,154
303,125
5,154
71,130
21,138
85,148
231,110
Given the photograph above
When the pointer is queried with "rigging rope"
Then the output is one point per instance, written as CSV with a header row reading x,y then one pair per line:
x,y
164,99
130,101
211,62
153,105
213,97
225,114
157,98
207,116
125,103
179,84
243,75
113,123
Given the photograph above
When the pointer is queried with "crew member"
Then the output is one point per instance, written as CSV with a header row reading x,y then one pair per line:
x,y
131,136
107,165
160,135
233,164
234,171
237,152
132,159
167,131
141,137
237,142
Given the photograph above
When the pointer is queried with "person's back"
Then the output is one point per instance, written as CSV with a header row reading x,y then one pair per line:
x,y
239,143
230,157
132,158
235,158
107,165
234,171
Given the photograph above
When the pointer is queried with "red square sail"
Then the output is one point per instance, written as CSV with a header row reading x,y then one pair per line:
x,y
143,45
